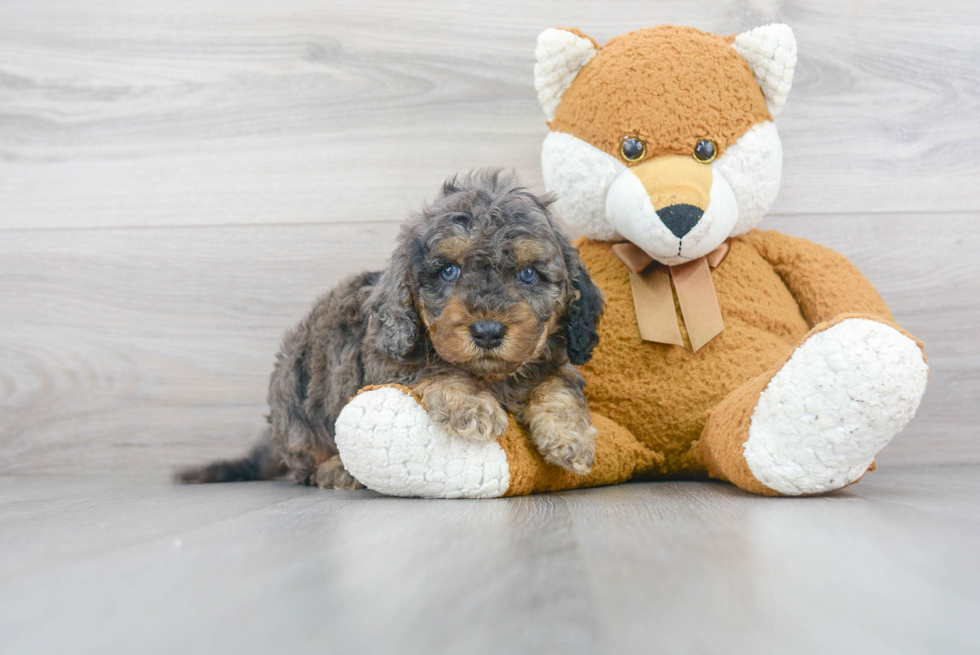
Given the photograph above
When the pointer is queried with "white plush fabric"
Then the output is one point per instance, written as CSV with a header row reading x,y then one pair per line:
x,y
771,53
630,211
560,55
753,166
389,443
580,174
839,400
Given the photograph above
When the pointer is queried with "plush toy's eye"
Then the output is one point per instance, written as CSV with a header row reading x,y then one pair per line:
x,y
705,152
527,275
632,149
449,272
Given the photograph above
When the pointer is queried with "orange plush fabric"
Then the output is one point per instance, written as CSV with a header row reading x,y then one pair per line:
x,y
645,85
618,457
653,402
665,410
663,393
822,280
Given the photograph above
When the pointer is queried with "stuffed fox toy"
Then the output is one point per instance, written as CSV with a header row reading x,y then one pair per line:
x,y
744,355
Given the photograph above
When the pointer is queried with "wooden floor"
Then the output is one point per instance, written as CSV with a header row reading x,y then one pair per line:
x,y
124,564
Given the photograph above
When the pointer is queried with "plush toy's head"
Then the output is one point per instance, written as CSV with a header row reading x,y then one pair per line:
x,y
664,136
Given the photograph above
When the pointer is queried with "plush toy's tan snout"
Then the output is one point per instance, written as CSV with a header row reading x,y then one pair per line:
x,y
679,188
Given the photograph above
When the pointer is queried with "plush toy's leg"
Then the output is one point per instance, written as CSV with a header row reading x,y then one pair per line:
x,y
390,444
816,422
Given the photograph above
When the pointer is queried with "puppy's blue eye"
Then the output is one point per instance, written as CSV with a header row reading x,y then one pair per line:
x,y
527,275
449,272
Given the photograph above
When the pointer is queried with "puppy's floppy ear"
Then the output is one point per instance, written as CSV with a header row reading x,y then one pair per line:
x,y
581,330
585,310
394,326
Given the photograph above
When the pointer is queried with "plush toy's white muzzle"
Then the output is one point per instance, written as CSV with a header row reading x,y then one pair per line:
x,y
675,232
606,200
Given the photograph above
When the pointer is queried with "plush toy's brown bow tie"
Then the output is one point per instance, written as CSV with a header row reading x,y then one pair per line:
x,y
654,301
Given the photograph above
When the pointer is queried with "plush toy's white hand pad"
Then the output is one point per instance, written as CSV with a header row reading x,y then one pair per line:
x,y
389,443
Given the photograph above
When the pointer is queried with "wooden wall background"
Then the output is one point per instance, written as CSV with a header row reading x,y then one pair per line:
x,y
178,181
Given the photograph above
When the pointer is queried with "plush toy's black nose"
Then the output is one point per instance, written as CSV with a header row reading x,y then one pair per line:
x,y
680,219
488,334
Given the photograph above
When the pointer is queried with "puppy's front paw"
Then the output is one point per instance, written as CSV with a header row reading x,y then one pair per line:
x,y
331,474
568,444
479,417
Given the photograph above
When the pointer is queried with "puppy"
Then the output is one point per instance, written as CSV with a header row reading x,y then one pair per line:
x,y
484,309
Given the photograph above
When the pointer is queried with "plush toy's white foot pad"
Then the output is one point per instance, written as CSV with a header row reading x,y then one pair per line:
x,y
840,398
389,443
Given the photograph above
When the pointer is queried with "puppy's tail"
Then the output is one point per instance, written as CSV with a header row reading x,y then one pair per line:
x,y
263,462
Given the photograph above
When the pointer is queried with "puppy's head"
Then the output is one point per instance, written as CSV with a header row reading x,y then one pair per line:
x,y
490,278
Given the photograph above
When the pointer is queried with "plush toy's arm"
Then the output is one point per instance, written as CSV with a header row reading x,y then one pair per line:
x,y
824,282
390,443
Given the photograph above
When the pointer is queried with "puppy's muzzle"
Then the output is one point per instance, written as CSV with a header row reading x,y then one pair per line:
x,y
488,334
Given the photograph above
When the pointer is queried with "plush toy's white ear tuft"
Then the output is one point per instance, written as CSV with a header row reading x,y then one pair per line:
x,y
771,52
560,56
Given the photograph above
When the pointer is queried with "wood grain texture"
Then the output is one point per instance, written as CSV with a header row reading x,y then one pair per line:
x,y
152,347
121,565
141,347
178,182
134,113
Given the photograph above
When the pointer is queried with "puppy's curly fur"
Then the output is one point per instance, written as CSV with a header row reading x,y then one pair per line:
x,y
485,308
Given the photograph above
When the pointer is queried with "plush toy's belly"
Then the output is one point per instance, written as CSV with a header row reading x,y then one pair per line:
x,y
663,393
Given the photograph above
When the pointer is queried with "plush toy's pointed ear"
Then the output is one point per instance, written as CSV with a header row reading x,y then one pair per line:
x,y
560,55
771,53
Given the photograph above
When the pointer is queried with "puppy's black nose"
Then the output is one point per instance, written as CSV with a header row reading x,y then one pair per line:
x,y
680,219
488,334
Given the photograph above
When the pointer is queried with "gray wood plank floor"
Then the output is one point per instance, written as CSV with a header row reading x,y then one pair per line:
x,y
124,564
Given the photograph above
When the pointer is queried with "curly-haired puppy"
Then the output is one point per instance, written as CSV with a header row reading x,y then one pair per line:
x,y
484,309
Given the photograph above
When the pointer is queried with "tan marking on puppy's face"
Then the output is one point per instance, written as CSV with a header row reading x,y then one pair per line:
x,y
530,251
453,248
524,339
524,332
450,333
